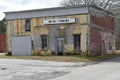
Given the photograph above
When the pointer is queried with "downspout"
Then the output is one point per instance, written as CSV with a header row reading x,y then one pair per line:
x,y
88,31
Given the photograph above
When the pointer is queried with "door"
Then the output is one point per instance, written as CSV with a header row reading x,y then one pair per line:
x,y
60,46
77,41
21,46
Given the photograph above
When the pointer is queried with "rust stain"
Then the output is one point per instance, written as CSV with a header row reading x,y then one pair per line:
x,y
37,30
20,28
41,30
21,24
37,20
17,26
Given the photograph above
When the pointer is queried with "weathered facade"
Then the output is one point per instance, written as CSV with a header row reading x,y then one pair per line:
x,y
63,30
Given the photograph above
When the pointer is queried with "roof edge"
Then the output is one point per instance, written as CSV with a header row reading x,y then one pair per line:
x,y
45,9
58,8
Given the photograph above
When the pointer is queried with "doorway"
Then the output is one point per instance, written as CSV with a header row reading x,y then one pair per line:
x,y
60,45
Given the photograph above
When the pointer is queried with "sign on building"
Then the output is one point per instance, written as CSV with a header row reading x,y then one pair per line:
x,y
59,21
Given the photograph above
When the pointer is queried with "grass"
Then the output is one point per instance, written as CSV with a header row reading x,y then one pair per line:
x,y
75,58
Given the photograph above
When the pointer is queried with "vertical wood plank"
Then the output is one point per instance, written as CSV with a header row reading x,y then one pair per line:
x,y
37,42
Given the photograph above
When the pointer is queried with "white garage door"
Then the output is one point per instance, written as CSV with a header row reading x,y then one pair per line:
x,y
21,46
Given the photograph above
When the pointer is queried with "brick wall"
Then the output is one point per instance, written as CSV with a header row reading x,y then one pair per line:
x,y
2,43
95,41
104,21
96,35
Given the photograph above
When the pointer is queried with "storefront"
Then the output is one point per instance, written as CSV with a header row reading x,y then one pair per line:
x,y
58,31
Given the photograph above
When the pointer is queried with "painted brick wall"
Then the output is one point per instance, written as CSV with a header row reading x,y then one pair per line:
x,y
96,35
104,21
95,41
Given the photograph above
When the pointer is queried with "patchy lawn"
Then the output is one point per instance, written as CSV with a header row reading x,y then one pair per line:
x,y
75,58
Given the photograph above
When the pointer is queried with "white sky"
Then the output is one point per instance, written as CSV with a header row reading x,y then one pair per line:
x,y
15,5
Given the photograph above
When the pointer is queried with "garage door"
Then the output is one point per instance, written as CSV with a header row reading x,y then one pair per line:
x,y
21,46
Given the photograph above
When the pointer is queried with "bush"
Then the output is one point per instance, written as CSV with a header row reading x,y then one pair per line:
x,y
42,53
74,52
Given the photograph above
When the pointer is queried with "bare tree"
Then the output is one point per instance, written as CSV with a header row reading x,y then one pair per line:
x,y
104,4
110,5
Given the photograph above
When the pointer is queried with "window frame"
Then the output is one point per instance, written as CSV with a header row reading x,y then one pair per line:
x,y
28,24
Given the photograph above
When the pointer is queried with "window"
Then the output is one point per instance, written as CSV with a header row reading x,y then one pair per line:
x,y
44,41
27,25
77,41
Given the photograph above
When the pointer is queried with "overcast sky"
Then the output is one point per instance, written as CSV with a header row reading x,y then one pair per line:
x,y
15,5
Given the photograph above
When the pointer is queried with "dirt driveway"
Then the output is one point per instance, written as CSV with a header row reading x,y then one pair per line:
x,y
15,69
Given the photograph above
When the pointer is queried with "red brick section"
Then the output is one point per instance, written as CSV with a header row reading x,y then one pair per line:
x,y
95,41
2,43
107,22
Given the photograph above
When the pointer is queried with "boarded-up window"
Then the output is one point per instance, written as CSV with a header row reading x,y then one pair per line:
x,y
27,25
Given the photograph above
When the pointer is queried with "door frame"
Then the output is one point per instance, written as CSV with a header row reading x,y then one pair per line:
x,y
59,38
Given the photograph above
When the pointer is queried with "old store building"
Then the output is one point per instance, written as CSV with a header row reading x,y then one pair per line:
x,y
60,30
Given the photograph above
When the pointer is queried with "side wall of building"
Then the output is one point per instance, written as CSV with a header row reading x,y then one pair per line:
x,y
102,32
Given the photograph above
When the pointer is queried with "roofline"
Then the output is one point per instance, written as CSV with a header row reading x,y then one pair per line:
x,y
45,9
57,8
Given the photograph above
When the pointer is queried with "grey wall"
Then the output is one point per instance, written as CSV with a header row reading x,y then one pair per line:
x,y
21,46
